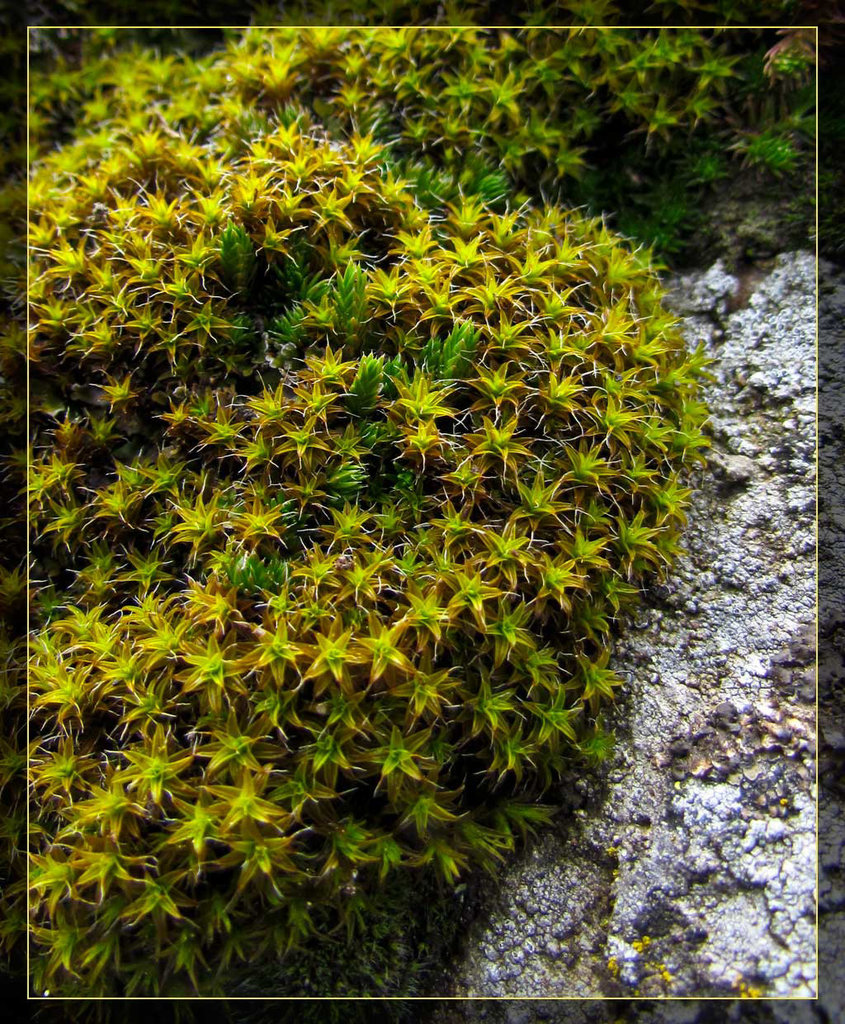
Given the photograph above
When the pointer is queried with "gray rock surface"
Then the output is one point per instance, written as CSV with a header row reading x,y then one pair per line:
x,y
832,640
689,867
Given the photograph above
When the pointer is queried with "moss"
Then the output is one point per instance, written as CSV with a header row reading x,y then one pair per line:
x,y
350,453
343,497
639,124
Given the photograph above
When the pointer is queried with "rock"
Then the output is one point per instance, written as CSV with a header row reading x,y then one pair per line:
x,y
835,739
738,469
728,858
708,293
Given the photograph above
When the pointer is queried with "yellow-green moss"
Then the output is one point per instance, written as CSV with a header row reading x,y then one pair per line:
x,y
335,500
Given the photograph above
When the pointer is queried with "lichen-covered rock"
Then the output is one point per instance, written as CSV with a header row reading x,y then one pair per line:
x,y
691,869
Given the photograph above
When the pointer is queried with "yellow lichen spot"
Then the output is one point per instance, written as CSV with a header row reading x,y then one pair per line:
x,y
613,966
749,991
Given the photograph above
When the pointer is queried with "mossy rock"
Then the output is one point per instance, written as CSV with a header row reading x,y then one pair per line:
x,y
751,219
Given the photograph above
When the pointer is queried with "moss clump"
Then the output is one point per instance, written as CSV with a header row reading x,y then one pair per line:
x,y
644,124
336,501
